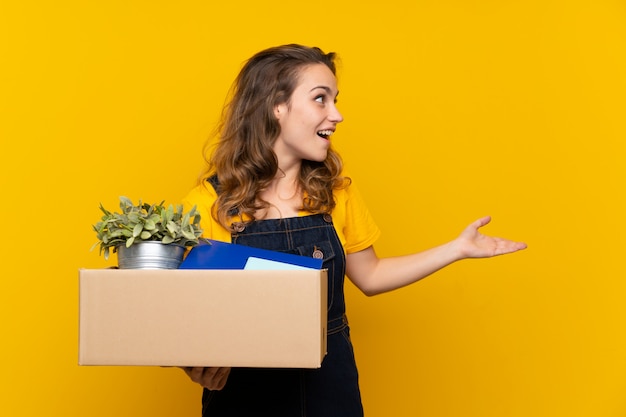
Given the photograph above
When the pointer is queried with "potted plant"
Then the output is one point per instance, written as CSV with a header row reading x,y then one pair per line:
x,y
147,235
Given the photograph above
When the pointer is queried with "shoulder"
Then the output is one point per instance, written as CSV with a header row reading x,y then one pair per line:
x,y
348,194
354,224
202,194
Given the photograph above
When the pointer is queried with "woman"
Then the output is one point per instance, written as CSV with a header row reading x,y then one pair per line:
x,y
275,182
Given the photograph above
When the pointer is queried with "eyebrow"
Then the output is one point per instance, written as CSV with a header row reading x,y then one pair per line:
x,y
326,88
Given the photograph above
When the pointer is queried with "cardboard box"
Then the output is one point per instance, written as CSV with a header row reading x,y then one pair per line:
x,y
240,318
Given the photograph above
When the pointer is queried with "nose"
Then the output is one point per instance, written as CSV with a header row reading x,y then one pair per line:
x,y
334,115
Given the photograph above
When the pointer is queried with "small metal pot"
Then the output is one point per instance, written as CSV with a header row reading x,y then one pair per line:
x,y
150,255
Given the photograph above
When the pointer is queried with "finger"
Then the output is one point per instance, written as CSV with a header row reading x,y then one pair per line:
x,y
215,378
504,246
482,222
473,227
195,373
221,378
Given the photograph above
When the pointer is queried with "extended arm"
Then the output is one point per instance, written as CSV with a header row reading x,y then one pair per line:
x,y
374,275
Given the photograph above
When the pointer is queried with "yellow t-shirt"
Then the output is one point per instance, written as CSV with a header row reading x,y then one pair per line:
x,y
351,218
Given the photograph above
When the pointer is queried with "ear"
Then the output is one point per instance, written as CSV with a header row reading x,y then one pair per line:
x,y
279,110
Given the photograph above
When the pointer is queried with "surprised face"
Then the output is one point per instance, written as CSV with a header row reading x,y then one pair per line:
x,y
310,117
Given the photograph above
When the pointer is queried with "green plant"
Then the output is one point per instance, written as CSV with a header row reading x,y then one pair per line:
x,y
146,222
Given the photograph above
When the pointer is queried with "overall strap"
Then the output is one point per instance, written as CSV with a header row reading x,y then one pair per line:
x,y
215,182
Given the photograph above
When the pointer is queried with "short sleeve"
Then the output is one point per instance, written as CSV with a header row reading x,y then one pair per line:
x,y
354,224
203,196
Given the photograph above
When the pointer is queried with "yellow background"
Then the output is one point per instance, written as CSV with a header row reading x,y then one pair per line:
x,y
453,109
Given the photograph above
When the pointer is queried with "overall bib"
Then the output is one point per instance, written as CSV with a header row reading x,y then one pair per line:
x,y
332,390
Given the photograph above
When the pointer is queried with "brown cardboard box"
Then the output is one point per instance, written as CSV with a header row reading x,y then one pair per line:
x,y
203,317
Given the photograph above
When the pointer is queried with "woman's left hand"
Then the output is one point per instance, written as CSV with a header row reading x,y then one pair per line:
x,y
473,244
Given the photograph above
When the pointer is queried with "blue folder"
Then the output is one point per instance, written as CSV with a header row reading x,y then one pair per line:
x,y
221,255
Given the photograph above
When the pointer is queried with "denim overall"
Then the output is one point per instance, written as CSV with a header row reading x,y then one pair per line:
x,y
332,390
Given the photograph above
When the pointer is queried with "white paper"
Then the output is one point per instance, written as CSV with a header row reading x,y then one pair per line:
x,y
260,264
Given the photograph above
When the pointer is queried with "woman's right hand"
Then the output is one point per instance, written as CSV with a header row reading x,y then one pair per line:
x,y
212,378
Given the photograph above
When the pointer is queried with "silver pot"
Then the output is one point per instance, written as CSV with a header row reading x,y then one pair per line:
x,y
150,255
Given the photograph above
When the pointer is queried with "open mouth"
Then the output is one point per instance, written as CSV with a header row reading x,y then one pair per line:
x,y
324,134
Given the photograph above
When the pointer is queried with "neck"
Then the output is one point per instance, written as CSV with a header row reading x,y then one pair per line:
x,y
283,194
285,185
287,176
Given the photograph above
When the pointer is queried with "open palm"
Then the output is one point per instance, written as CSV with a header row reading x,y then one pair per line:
x,y
474,244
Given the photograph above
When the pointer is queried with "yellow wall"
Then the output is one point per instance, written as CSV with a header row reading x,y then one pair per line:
x,y
453,109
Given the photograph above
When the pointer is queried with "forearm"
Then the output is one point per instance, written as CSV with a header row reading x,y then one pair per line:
x,y
374,276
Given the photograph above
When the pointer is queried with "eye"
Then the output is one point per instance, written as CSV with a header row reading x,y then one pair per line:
x,y
321,98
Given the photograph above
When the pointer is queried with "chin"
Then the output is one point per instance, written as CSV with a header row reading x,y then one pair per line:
x,y
322,158
317,158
